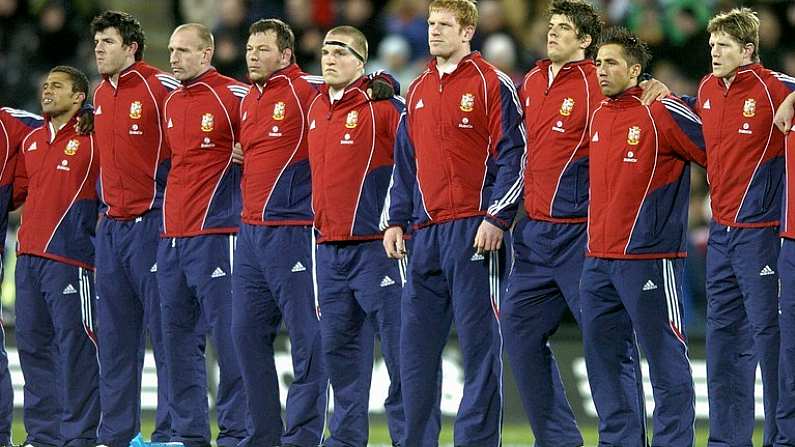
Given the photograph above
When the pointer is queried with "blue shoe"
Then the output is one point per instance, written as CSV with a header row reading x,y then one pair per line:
x,y
138,441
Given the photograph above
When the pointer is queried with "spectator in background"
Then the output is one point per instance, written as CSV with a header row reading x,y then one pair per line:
x,y
394,56
364,16
231,33
407,18
308,37
17,45
500,50
58,38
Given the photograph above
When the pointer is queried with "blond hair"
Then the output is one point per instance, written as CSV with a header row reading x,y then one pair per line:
x,y
358,38
465,11
741,24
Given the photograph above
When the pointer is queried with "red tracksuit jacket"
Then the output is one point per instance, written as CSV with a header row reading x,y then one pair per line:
x,y
556,117
15,125
276,184
60,213
640,177
744,150
128,128
351,143
460,149
202,121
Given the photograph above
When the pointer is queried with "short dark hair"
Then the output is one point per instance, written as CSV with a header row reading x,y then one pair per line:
x,y
78,78
635,50
128,27
284,35
583,16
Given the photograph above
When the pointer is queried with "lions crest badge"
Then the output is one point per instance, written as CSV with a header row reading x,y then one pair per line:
x,y
278,110
71,147
467,102
136,109
749,108
208,122
352,120
633,136
567,106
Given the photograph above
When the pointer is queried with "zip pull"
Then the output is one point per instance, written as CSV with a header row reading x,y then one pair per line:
x,y
173,242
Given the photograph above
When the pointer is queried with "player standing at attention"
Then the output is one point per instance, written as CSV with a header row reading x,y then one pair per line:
x,y
351,141
785,412
558,97
458,176
134,162
745,153
272,274
201,215
637,233
14,126
54,281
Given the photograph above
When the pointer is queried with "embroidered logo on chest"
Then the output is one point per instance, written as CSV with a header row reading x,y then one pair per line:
x,y
467,102
633,136
208,122
352,120
278,110
749,108
567,106
71,147
136,110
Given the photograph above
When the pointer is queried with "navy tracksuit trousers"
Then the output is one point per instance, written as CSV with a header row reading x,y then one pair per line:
x,y
359,290
128,307
624,302
6,387
449,282
195,279
57,352
742,331
272,283
785,411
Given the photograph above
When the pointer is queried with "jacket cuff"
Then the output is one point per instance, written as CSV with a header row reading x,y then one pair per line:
x,y
502,224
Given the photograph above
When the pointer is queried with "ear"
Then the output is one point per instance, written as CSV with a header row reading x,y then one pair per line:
x,y
132,48
748,50
469,33
635,71
287,56
585,41
78,97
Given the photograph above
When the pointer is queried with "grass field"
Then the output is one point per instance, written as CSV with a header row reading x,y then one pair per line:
x,y
513,435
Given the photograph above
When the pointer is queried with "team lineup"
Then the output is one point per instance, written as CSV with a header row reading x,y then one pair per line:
x,y
189,206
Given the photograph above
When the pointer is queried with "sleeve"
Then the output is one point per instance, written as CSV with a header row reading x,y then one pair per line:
x,y
787,81
691,102
398,205
506,126
20,185
683,131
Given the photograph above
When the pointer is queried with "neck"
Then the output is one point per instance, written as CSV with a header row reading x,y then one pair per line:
x,y
443,62
335,89
114,78
62,118
203,71
727,81
558,65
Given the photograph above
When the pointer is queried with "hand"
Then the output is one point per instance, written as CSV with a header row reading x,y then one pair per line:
x,y
653,90
379,89
784,114
393,243
237,154
488,237
85,121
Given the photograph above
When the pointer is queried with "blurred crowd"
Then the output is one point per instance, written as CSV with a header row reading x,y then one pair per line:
x,y
38,34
